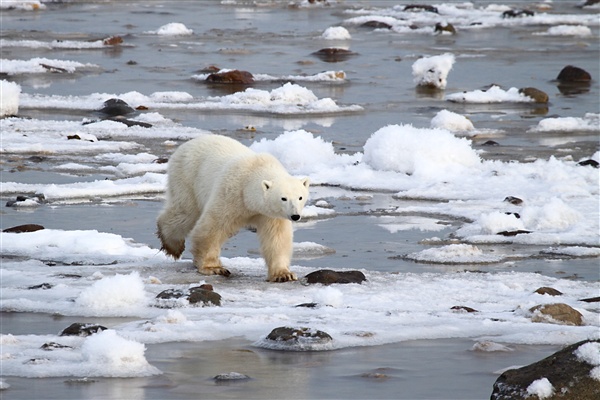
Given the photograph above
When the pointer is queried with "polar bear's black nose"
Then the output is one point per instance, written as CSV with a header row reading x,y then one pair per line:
x,y
295,217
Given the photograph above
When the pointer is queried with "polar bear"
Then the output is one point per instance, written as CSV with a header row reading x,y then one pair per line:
x,y
216,186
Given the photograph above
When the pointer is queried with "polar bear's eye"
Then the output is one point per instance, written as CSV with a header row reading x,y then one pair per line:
x,y
300,198
284,199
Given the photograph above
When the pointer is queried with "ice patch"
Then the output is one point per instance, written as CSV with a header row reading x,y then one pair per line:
x,y
9,98
336,33
451,121
172,29
541,388
493,95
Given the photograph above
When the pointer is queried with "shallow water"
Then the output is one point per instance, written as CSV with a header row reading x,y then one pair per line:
x,y
275,39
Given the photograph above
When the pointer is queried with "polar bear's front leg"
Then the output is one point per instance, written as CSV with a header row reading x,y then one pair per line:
x,y
207,238
276,244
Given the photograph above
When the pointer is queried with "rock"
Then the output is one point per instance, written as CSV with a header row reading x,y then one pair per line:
x,y
49,346
447,27
115,107
537,95
463,309
27,201
568,374
376,25
589,3
233,76
490,143
129,122
206,297
334,54
198,295
112,41
295,336
571,73
591,300
513,200
557,313
590,162
327,277
79,329
513,233
421,7
43,286
548,290
231,376
308,305
517,13
24,228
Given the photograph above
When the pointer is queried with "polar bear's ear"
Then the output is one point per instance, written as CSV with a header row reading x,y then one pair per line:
x,y
305,182
266,185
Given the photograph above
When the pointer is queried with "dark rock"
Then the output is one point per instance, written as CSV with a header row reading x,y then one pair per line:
x,y
49,346
513,200
43,286
206,297
295,335
557,313
170,294
490,143
537,95
308,305
513,233
589,3
569,375
114,107
421,7
463,309
447,27
591,163
334,54
24,228
376,25
79,329
198,295
327,277
234,76
591,300
517,13
231,376
129,122
548,290
571,73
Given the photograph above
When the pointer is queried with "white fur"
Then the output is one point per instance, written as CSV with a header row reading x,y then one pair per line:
x,y
216,186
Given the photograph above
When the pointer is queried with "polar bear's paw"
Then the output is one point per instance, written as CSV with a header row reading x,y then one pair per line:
x,y
218,270
283,276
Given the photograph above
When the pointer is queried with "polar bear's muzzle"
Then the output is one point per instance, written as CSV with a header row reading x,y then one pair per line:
x,y
295,217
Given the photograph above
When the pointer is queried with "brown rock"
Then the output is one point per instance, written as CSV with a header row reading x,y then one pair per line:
x,y
327,277
234,76
24,228
571,73
112,41
548,290
536,94
557,313
569,376
441,28
206,297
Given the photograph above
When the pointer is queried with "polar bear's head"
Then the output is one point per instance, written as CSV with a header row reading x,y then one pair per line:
x,y
285,197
